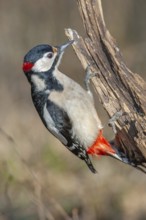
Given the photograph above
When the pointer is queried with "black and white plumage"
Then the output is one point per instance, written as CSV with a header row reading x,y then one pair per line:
x,y
66,109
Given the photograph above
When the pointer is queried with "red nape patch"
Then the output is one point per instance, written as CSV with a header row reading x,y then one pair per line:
x,y
101,146
27,66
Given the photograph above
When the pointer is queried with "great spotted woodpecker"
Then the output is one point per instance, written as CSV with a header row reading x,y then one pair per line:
x,y
66,109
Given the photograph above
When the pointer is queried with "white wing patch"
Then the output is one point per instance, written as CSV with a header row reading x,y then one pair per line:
x,y
51,126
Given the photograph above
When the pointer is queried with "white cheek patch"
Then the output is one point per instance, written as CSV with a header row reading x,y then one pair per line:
x,y
39,83
43,64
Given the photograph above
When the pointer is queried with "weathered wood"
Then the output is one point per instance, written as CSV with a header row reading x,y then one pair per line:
x,y
117,87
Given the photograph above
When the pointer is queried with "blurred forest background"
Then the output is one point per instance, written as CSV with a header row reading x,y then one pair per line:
x,y
40,179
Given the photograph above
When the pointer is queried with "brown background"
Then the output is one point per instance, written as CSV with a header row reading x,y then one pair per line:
x,y
51,181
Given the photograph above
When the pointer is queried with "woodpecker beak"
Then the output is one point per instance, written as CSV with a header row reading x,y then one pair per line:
x,y
60,50
64,46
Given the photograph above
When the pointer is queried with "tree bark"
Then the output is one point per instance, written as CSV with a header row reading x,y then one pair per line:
x,y
117,87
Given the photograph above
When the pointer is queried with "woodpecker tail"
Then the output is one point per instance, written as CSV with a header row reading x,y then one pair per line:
x,y
90,165
102,147
125,157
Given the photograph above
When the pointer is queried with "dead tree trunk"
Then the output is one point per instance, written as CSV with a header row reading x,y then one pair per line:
x,y
117,87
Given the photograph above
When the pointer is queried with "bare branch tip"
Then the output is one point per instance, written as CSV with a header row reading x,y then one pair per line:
x,y
72,35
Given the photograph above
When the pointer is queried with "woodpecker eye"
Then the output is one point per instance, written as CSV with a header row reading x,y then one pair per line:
x,y
50,55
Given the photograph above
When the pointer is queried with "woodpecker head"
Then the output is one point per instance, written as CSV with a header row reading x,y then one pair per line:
x,y
43,58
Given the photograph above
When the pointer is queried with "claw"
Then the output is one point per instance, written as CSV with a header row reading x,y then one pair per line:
x,y
113,119
88,77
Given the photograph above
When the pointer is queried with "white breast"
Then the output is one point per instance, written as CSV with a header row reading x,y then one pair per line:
x,y
80,108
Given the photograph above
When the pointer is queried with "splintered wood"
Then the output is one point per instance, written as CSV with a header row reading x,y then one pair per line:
x,y
117,87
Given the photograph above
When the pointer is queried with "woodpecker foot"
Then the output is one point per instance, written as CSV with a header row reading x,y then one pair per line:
x,y
113,120
88,77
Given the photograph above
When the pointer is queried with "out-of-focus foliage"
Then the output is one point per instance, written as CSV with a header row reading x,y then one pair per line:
x,y
40,179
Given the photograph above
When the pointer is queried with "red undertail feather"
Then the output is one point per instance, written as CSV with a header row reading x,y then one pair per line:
x,y
101,146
